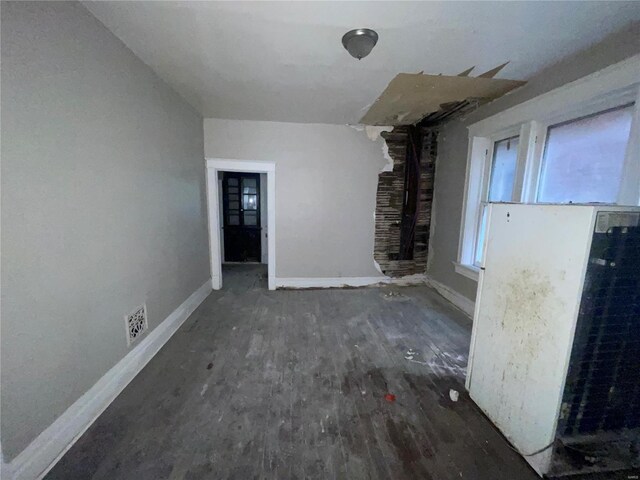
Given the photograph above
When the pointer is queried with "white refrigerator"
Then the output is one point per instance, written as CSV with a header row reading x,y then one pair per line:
x,y
528,303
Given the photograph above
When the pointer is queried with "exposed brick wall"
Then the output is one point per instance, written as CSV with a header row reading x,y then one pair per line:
x,y
389,201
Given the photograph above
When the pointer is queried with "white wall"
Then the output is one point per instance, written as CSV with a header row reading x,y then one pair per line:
x,y
453,146
326,182
103,207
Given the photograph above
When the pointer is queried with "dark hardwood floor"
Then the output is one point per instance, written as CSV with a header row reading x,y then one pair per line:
x,y
292,385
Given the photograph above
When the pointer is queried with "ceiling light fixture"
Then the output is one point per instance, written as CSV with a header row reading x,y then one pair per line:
x,y
360,42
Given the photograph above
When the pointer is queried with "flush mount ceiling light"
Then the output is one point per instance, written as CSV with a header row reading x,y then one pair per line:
x,y
360,42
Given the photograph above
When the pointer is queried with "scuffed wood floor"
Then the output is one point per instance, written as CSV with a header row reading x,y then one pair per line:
x,y
292,385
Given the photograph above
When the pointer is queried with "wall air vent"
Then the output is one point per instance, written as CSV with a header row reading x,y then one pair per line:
x,y
136,323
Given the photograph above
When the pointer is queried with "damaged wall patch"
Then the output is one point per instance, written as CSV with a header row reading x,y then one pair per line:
x,y
389,205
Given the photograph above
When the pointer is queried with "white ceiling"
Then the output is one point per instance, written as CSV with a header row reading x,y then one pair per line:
x,y
283,61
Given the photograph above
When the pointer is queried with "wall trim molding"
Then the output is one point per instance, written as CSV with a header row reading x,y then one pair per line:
x,y
470,271
338,282
35,461
328,282
617,83
457,299
215,165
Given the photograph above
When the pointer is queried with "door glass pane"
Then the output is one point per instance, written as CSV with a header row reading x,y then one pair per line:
x,y
232,181
249,185
233,190
584,158
250,218
234,205
250,202
503,169
234,220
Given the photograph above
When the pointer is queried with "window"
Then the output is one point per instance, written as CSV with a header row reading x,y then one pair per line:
x,y
579,143
583,158
503,169
502,176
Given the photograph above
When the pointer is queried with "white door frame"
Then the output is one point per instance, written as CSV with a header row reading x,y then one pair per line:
x,y
215,165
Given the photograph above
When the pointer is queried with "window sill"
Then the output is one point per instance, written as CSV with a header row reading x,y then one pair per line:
x,y
469,271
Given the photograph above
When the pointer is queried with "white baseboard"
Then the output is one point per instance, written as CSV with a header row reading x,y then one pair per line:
x,y
35,461
337,282
459,300
408,280
325,282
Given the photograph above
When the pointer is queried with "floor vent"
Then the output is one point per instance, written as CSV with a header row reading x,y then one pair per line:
x,y
136,323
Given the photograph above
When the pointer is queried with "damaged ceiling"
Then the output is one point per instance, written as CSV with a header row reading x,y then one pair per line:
x,y
411,97
284,61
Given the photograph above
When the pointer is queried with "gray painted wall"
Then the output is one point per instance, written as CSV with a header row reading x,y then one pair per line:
x,y
103,207
326,182
453,144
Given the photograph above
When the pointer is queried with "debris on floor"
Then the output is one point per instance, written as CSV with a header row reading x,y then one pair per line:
x,y
351,390
454,395
390,397
393,294
410,356
210,366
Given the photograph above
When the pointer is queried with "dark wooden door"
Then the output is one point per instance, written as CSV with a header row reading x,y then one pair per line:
x,y
241,208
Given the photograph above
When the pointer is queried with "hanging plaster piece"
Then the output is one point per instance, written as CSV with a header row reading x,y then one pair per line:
x,y
410,97
493,72
466,72
401,116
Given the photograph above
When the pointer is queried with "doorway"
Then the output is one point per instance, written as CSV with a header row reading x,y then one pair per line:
x,y
242,226
241,203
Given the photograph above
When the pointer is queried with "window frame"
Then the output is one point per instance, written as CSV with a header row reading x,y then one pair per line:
x,y
487,173
632,104
612,87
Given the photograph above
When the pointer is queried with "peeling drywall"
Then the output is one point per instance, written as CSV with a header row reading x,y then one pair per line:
x,y
387,214
409,97
374,133
385,151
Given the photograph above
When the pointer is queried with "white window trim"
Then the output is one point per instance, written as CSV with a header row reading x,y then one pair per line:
x,y
614,86
469,271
